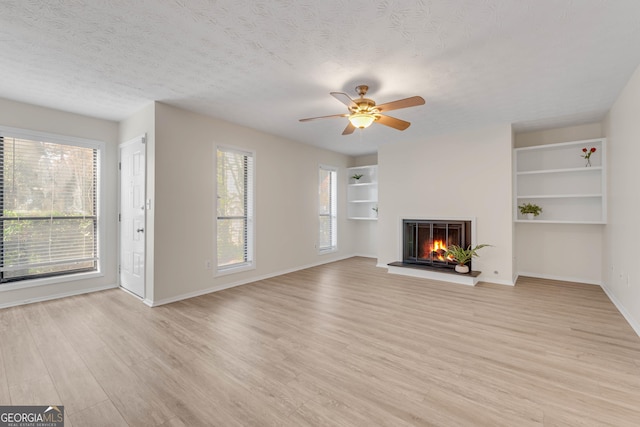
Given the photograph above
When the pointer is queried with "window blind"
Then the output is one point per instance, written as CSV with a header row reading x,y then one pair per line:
x,y
328,208
48,205
235,170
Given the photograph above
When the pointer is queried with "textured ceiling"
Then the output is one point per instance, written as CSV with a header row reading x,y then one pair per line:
x,y
266,64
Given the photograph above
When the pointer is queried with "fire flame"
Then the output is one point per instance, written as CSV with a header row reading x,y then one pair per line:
x,y
438,248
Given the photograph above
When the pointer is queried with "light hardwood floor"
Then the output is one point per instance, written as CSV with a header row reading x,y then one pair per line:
x,y
337,345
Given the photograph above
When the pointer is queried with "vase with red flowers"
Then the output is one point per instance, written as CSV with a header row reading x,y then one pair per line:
x,y
586,154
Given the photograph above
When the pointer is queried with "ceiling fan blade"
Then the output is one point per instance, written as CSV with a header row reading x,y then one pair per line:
x,y
401,103
344,98
393,122
349,129
324,117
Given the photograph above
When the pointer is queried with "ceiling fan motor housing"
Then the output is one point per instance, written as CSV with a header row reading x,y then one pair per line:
x,y
364,105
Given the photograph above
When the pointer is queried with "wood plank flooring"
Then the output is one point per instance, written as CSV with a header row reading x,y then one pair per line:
x,y
344,344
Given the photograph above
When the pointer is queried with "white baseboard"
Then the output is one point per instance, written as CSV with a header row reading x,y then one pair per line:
x,y
198,293
128,292
57,296
632,322
561,278
194,294
365,255
497,281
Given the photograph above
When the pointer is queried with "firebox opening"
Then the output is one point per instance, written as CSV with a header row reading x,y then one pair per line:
x,y
426,241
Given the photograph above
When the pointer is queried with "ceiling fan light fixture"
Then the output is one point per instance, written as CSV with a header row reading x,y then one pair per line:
x,y
361,120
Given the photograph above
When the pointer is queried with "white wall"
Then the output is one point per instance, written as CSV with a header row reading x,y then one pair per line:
x,y
286,202
571,252
25,116
365,237
621,236
466,174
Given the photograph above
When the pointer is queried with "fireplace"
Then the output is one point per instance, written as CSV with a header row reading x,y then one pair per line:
x,y
425,242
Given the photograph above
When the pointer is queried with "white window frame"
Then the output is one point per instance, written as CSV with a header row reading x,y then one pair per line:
x,y
250,263
100,146
334,210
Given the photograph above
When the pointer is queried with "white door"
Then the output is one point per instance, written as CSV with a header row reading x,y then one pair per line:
x,y
132,215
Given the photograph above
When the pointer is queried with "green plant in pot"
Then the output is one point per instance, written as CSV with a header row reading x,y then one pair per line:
x,y
357,176
462,256
530,210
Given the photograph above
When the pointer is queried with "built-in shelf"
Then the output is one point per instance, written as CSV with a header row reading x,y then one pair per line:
x,y
556,178
363,184
557,196
362,194
571,170
539,221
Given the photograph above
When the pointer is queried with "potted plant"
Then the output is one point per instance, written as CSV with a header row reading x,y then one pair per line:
x,y
357,176
462,256
530,210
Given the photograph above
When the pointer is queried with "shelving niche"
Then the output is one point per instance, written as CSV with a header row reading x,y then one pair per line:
x,y
555,177
362,194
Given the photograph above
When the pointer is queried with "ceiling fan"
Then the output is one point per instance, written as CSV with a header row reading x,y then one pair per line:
x,y
363,111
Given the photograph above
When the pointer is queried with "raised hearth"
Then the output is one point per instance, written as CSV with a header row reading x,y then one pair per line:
x,y
434,273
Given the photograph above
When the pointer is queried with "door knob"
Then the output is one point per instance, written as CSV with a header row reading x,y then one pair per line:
x,y
140,230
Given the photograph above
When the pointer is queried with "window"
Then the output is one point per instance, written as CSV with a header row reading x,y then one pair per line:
x,y
235,208
328,232
48,205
